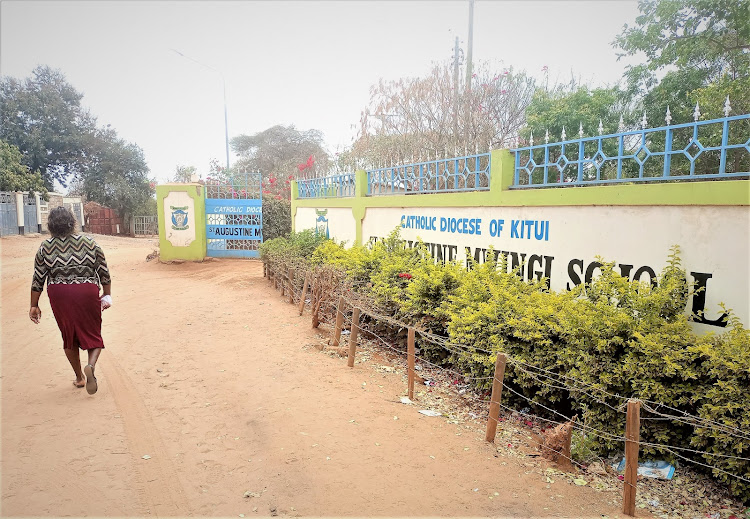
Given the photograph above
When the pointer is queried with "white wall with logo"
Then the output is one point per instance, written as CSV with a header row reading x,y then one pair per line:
x,y
180,218
338,221
562,243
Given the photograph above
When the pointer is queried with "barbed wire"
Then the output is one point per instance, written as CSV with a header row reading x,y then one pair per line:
x,y
417,357
693,420
563,387
709,466
685,449
552,380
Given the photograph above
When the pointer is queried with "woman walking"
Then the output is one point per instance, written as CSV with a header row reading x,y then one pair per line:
x,y
73,266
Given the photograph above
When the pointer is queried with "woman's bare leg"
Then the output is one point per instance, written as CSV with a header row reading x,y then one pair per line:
x,y
91,385
75,361
94,356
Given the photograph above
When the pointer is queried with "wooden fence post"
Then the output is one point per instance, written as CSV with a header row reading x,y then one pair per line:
x,y
497,394
281,283
410,356
291,286
265,270
339,322
304,294
632,437
353,337
316,303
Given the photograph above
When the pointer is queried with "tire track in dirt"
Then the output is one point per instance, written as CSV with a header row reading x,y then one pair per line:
x,y
160,488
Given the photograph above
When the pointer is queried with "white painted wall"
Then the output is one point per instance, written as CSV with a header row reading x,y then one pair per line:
x,y
176,236
715,241
340,222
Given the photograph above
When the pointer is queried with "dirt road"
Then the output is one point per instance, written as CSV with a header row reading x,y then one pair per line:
x,y
208,371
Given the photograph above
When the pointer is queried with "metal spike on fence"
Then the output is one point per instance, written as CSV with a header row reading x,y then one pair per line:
x,y
697,113
563,136
531,138
601,127
621,125
727,107
668,118
580,130
476,147
546,136
644,122
466,152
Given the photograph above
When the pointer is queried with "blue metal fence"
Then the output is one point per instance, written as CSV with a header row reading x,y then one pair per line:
x,y
714,149
335,186
466,173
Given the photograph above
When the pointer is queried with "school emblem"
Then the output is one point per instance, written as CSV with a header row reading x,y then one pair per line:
x,y
321,222
179,218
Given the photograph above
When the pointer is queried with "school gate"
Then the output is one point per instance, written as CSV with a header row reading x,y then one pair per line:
x,y
30,221
8,214
234,216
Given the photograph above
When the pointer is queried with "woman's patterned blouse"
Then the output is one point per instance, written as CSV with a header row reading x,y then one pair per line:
x,y
70,260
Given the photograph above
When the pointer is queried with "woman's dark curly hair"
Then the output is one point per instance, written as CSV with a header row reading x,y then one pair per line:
x,y
61,222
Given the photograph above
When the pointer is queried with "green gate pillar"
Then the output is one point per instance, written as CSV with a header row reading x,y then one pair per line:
x,y
182,222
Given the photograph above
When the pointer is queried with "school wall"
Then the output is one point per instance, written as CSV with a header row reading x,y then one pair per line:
x,y
559,232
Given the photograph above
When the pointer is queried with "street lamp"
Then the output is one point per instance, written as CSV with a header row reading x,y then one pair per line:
x,y
224,84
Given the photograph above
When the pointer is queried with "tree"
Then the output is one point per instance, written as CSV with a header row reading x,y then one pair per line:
x,y
434,116
699,43
579,107
565,113
711,36
14,175
116,174
183,174
43,117
281,153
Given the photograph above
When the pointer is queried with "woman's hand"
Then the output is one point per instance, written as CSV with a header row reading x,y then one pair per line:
x,y
35,314
106,301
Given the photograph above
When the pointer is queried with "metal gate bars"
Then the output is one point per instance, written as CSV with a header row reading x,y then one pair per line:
x,y
234,215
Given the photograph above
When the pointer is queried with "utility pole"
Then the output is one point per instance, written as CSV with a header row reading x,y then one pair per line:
x,y
224,88
469,68
455,90
469,72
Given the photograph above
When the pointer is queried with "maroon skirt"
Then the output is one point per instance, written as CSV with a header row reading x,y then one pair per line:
x,y
78,313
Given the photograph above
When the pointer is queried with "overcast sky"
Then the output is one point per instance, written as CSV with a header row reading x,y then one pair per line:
x,y
307,63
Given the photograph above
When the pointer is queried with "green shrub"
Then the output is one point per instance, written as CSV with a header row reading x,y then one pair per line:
x,y
277,217
597,344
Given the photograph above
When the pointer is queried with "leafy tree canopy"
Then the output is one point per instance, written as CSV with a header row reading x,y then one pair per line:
x,y
14,175
572,109
116,174
42,116
281,153
696,44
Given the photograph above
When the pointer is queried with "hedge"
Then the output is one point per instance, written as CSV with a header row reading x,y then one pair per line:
x,y
615,337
